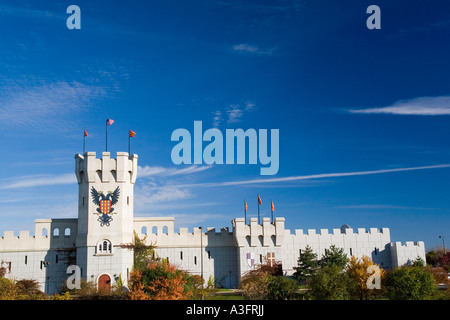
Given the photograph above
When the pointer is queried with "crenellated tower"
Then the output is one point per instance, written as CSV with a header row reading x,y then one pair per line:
x,y
105,215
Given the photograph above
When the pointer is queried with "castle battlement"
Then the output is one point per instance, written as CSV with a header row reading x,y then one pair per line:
x,y
254,234
405,253
88,168
48,234
347,231
159,231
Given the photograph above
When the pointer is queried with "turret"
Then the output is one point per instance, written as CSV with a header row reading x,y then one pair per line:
x,y
105,211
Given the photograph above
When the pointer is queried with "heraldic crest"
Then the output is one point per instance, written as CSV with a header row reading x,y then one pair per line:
x,y
105,203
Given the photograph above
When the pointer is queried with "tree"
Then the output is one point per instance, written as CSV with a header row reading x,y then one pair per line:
x,y
410,283
357,270
8,289
444,261
330,283
281,288
136,287
439,274
418,262
159,281
266,281
255,284
200,289
307,265
29,289
334,256
142,253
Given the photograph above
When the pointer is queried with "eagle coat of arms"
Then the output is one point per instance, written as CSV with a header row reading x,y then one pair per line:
x,y
105,204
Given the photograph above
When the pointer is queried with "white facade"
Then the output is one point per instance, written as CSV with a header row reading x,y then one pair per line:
x,y
93,241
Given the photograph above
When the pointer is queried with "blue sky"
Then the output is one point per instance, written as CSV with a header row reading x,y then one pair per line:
x,y
363,114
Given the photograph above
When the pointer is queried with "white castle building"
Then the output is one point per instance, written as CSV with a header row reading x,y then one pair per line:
x,y
94,242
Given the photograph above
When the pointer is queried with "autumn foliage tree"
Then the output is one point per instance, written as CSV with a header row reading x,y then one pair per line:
x,y
357,269
159,280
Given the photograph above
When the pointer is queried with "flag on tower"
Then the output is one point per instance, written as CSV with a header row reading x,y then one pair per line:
x,y
273,209
131,134
245,212
108,123
259,203
84,140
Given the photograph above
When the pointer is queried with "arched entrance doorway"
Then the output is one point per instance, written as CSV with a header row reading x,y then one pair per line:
x,y
104,283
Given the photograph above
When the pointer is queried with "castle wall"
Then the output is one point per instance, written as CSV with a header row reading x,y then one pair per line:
x,y
402,254
207,250
43,256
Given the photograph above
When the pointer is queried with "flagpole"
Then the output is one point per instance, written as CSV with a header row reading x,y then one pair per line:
x,y
245,212
84,141
106,142
258,209
129,139
271,210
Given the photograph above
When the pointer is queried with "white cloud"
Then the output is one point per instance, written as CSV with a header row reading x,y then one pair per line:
x,y
46,106
38,180
234,113
425,106
148,171
248,48
149,194
314,176
217,119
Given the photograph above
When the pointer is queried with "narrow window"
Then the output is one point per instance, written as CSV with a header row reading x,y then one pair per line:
x,y
195,260
376,251
181,255
56,259
351,253
83,201
128,200
26,259
209,254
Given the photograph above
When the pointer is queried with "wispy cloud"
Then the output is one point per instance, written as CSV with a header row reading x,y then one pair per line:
x,y
155,171
317,176
159,186
44,107
38,181
424,106
233,113
251,49
380,207
16,11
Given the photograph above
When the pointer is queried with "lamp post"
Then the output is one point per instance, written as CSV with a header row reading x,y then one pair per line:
x,y
201,254
443,243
